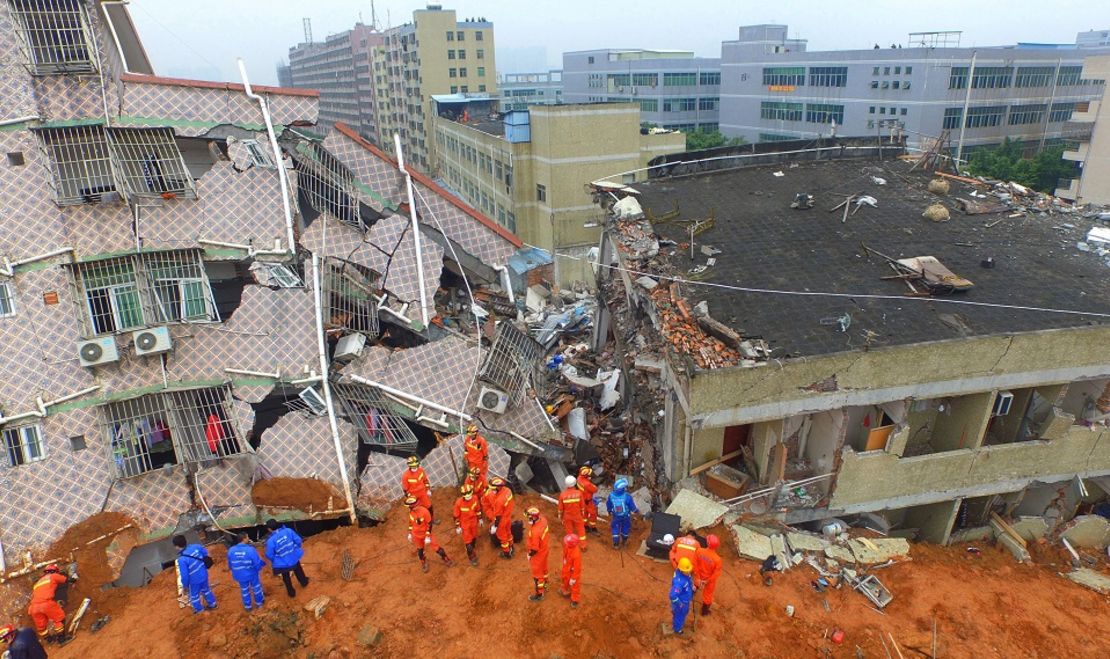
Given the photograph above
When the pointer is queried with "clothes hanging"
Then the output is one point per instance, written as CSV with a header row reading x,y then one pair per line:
x,y
214,432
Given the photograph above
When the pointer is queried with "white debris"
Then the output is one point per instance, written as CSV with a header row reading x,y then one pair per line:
x,y
778,174
878,180
867,200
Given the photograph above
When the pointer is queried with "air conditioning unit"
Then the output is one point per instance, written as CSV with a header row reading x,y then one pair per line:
x,y
1002,403
96,352
349,347
313,401
493,400
152,341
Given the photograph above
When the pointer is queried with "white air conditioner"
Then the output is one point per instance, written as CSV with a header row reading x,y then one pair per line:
x,y
493,400
313,401
96,352
152,341
349,347
1002,403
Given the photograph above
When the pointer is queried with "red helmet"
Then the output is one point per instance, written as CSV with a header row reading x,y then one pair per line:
x,y
53,567
712,541
6,632
570,540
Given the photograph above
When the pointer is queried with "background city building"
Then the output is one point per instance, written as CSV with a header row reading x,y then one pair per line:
x,y
1089,143
673,88
519,90
339,68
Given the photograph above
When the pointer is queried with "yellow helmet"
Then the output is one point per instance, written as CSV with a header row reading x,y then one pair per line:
x,y
472,429
413,461
684,565
467,490
410,501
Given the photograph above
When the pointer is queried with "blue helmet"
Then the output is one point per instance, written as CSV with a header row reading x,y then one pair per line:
x,y
621,485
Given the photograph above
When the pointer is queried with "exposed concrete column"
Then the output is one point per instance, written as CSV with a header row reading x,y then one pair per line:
x,y
934,521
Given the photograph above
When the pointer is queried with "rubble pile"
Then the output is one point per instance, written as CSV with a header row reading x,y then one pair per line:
x,y
682,331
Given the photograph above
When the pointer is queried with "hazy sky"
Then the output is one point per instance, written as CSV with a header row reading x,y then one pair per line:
x,y
202,38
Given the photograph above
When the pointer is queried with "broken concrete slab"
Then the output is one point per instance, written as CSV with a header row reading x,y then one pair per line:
x,y
878,550
642,498
806,541
648,364
751,544
1030,528
780,550
1090,531
1089,578
1014,547
696,511
841,554
647,282
974,534
558,472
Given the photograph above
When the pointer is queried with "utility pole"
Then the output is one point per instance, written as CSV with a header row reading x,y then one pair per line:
x,y
963,119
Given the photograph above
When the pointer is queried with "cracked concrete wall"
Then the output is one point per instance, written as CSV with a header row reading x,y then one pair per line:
x,y
933,521
874,479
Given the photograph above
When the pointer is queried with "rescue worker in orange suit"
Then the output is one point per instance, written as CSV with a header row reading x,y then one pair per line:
x,y
537,551
477,480
415,483
572,569
707,568
589,495
501,523
468,513
572,510
685,547
476,451
45,611
420,533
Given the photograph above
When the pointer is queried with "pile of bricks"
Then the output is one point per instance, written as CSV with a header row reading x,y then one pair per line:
x,y
682,331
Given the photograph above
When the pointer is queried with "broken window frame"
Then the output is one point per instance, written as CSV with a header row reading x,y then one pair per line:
x,y
23,445
343,283
43,25
362,404
80,163
327,183
510,361
283,276
258,155
148,162
7,299
185,414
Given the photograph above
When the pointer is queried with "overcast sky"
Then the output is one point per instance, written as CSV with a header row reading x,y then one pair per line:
x,y
202,38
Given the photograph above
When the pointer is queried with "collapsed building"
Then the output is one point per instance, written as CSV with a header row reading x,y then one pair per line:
x,y
198,293
810,346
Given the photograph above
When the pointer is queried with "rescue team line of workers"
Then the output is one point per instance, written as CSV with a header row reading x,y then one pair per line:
x,y
481,499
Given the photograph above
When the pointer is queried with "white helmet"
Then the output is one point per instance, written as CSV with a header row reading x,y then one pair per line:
x,y
668,539
570,481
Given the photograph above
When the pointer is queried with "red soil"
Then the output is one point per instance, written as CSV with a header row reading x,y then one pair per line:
x,y
301,493
984,605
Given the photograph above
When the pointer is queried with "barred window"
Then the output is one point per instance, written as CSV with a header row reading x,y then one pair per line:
x,y
680,79
171,427
823,113
1034,76
992,77
79,162
1069,76
148,162
1027,114
985,116
511,360
55,34
708,103
649,105
952,117
7,299
373,416
1061,112
645,79
784,75
828,76
23,444
154,287
780,110
709,79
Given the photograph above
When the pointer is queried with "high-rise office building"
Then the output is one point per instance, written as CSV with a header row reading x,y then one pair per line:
x,y
339,68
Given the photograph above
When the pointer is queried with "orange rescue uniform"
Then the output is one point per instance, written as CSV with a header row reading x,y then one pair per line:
x,y
537,551
420,526
415,482
476,452
572,510
684,547
707,567
503,509
44,608
589,490
467,514
478,483
572,570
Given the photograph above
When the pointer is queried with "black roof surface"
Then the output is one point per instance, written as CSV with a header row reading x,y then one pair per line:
x,y
766,244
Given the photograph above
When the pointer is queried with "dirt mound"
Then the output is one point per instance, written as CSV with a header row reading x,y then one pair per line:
x,y
984,604
300,493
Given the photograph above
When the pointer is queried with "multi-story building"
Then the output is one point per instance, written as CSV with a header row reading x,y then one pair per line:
x,y
530,168
284,74
773,88
339,68
519,90
790,353
673,88
1088,136
434,54
176,281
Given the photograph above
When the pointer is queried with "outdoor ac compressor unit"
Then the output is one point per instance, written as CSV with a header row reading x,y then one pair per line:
x,y
349,347
96,352
493,400
1002,403
152,341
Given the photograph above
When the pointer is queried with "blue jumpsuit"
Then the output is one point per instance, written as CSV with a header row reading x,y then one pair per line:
x,y
194,576
682,591
245,564
620,506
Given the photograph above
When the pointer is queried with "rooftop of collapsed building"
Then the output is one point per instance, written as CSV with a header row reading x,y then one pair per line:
x,y
700,236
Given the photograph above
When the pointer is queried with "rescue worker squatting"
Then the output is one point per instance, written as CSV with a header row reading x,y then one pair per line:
x,y
45,611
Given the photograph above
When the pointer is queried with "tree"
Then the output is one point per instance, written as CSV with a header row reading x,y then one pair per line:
x,y
697,140
1007,162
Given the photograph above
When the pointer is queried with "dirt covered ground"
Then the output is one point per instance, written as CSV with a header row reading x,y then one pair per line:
x,y
303,493
984,604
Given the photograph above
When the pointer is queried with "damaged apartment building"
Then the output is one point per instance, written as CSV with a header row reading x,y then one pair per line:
x,y
198,292
812,346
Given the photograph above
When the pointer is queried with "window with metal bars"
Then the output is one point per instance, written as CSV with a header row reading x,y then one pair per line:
x,y
349,295
193,425
7,299
510,360
79,162
132,291
326,183
55,34
23,444
370,412
148,162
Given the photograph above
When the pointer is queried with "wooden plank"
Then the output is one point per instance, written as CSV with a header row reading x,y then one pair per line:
x,y
716,461
961,179
1009,529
